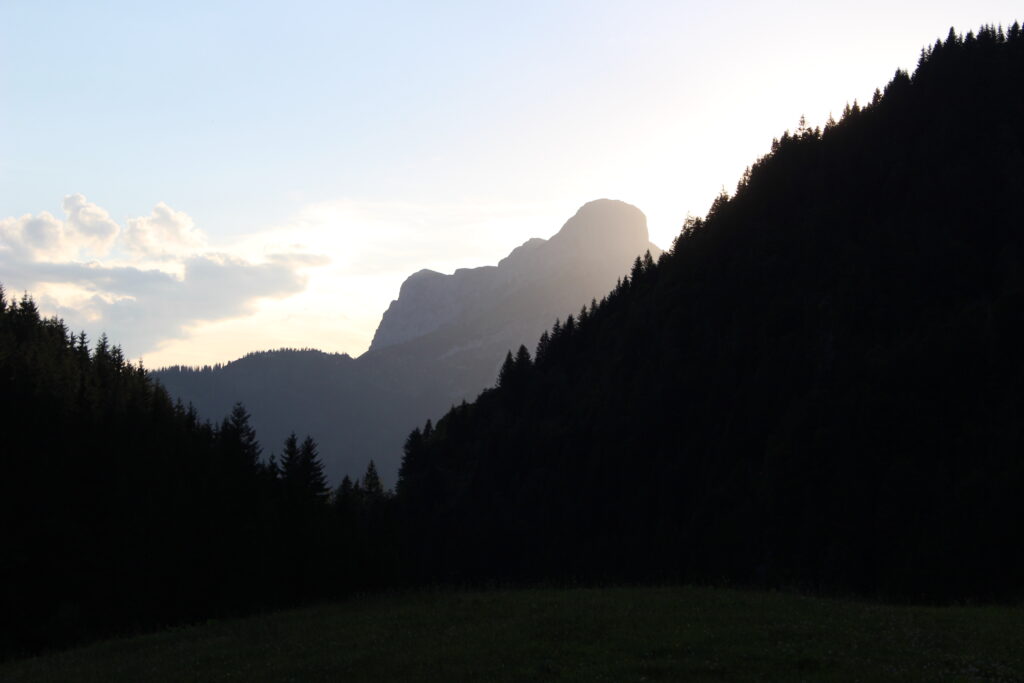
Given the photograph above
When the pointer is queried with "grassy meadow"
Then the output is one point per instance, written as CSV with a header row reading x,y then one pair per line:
x,y
611,634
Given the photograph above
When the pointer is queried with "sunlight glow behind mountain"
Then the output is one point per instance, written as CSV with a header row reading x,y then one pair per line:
x,y
326,151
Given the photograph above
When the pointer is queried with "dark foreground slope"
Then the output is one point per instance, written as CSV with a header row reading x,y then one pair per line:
x,y
611,634
121,510
442,341
822,384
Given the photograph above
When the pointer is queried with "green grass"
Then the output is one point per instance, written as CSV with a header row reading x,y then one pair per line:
x,y
614,634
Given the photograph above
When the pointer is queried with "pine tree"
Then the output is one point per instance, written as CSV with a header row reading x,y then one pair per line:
x,y
82,346
343,497
102,351
542,347
372,485
508,370
522,361
412,461
648,261
637,270
239,440
291,462
801,128
313,480
272,469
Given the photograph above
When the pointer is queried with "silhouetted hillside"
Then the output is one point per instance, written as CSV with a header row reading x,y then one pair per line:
x,y
442,341
821,384
122,510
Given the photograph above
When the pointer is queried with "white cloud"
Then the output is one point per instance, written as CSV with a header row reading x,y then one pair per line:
x,y
158,282
91,225
87,231
38,238
164,234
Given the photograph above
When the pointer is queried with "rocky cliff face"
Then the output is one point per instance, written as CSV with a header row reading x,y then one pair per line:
x,y
428,300
584,258
442,340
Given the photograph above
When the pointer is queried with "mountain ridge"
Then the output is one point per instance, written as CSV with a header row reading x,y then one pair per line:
x,y
439,343
600,227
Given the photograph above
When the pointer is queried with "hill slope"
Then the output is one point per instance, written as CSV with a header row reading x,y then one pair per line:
x,y
821,384
440,342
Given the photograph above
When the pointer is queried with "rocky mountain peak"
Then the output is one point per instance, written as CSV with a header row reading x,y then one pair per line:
x,y
592,249
605,224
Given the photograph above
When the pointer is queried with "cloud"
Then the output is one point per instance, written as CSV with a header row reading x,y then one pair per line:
x,y
87,231
92,225
38,238
166,285
164,233
213,288
141,308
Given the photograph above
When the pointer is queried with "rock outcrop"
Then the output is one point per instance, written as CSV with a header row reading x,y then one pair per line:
x,y
583,259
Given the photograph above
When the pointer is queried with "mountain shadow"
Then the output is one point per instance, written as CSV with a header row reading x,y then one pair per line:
x,y
441,342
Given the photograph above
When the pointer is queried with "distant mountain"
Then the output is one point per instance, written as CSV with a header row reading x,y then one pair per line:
x,y
441,342
821,385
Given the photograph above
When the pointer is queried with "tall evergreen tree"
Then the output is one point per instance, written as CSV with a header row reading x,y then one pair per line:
x,y
372,485
291,463
314,481
239,437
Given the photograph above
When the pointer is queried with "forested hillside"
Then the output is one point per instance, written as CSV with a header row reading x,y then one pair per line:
x,y
123,511
821,385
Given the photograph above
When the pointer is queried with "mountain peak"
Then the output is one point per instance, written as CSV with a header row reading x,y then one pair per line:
x,y
582,260
608,221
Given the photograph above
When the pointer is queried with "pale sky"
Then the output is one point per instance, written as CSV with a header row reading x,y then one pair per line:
x,y
203,179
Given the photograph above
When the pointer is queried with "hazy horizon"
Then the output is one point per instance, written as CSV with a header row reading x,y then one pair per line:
x,y
200,182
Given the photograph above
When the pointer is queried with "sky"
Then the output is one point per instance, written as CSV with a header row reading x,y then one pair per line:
x,y
204,179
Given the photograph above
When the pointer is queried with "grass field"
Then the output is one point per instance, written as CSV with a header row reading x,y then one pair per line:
x,y
614,634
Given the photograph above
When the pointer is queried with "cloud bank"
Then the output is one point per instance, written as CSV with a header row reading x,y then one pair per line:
x,y
143,284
